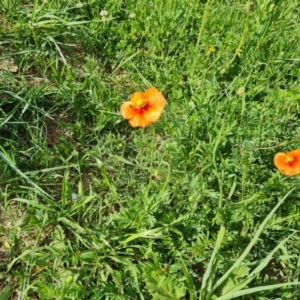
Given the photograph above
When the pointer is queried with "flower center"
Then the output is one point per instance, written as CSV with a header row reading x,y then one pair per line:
x,y
140,103
289,159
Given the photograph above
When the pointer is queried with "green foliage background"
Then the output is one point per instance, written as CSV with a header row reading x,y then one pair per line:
x,y
94,209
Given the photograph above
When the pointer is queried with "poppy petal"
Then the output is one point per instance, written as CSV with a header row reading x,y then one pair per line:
x,y
291,171
152,114
296,155
139,120
150,92
155,98
280,160
135,97
126,110
156,102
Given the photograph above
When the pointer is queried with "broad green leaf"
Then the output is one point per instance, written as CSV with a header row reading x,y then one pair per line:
x,y
89,256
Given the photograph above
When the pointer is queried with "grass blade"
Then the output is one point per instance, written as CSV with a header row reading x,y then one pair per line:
x,y
262,264
30,202
250,245
207,278
153,233
6,292
189,281
8,162
255,290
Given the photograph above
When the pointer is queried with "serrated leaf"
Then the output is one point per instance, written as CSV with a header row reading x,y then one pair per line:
x,y
163,287
235,278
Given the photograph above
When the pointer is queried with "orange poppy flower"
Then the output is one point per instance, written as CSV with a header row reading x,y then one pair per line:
x,y
288,163
144,108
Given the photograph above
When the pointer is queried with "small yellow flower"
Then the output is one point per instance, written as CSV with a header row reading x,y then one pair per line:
x,y
6,244
241,91
211,49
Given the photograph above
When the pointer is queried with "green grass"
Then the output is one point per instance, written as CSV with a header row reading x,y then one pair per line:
x,y
190,207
